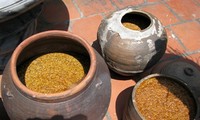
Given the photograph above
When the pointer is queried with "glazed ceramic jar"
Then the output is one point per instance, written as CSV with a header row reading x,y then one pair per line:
x,y
131,40
18,21
158,96
88,100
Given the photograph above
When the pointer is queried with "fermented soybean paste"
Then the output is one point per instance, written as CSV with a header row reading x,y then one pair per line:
x,y
131,26
164,99
53,72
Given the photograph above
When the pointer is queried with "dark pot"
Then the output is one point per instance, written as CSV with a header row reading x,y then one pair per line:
x,y
132,111
88,100
130,50
17,21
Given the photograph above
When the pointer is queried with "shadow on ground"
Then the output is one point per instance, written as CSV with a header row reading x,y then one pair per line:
x,y
122,102
54,16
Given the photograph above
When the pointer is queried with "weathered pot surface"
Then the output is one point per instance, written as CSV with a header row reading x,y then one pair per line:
x,y
127,49
18,22
132,111
87,100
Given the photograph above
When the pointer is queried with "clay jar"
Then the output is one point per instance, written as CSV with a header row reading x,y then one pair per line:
x,y
87,100
18,22
158,96
131,40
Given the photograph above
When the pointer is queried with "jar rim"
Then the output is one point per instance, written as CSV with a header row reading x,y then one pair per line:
x,y
176,80
138,12
54,96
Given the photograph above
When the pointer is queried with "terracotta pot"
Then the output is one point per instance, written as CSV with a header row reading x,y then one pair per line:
x,y
128,50
87,100
132,111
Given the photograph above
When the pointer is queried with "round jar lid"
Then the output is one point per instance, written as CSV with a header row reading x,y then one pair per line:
x,y
185,72
11,8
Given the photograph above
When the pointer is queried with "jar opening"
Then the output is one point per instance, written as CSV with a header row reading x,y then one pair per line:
x,y
53,65
158,93
136,21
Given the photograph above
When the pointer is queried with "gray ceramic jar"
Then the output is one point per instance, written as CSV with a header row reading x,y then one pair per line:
x,y
128,50
88,100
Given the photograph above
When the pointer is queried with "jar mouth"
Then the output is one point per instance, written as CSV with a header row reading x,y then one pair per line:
x,y
136,20
165,78
48,42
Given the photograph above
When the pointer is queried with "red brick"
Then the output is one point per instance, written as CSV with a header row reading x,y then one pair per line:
x,y
87,27
195,59
54,11
121,91
162,13
173,46
89,7
73,12
125,3
186,9
105,118
188,33
198,0
153,0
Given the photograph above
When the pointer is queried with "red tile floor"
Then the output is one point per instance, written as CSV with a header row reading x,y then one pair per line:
x,y
181,19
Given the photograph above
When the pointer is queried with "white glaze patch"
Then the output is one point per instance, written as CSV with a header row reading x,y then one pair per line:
x,y
173,36
160,29
194,15
151,45
149,56
138,59
99,84
153,31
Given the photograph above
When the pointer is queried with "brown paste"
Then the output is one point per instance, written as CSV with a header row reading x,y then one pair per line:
x,y
131,26
53,72
164,99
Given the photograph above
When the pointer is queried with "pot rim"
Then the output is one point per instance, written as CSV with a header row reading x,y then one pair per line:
x,y
54,96
133,101
138,12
